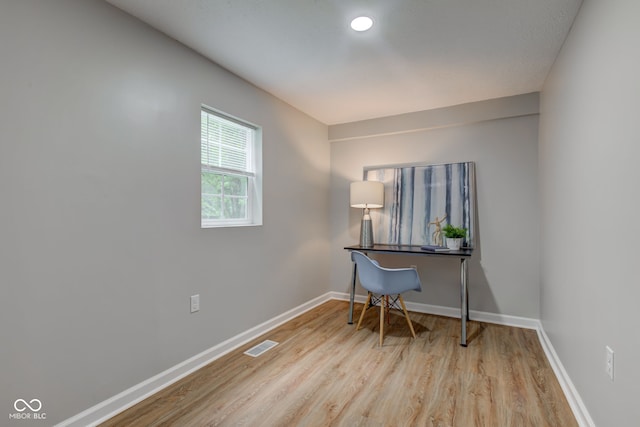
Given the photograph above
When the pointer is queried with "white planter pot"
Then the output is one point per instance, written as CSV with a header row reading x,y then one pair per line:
x,y
454,244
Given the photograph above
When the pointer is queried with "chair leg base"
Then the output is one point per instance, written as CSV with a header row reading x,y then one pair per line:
x,y
406,315
384,307
364,308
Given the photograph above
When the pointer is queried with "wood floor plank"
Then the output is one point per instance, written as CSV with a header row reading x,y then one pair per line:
x,y
325,373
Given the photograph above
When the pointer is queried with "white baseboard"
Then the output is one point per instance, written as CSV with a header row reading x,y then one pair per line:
x,y
118,403
480,316
574,399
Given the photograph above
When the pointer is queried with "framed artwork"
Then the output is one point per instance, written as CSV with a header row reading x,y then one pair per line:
x,y
420,199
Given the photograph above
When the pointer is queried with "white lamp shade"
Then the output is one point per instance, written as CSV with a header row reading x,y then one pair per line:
x,y
367,194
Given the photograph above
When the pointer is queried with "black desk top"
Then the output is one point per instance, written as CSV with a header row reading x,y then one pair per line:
x,y
409,249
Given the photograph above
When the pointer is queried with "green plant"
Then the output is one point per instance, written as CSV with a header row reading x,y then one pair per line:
x,y
453,232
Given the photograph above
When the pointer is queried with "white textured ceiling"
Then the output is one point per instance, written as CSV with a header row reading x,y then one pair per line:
x,y
420,54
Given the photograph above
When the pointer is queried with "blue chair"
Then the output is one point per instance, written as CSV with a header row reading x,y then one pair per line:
x,y
385,282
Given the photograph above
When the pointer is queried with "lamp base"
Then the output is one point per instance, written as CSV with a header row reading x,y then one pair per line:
x,y
366,232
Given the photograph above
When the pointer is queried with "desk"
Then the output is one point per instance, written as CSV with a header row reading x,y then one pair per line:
x,y
463,255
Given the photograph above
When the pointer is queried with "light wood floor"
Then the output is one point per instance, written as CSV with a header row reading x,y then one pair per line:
x,y
324,373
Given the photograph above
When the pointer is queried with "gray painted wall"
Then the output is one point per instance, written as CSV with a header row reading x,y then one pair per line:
x,y
100,243
504,268
589,175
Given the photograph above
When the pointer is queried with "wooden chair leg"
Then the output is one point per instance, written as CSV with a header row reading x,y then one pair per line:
x,y
381,320
364,308
388,309
406,315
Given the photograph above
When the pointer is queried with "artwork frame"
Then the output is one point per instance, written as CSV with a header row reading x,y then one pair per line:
x,y
419,196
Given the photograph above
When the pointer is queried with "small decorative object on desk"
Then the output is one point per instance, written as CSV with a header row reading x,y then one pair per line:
x,y
434,248
436,236
454,236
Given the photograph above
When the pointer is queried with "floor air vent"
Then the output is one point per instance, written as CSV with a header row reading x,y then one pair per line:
x,y
257,350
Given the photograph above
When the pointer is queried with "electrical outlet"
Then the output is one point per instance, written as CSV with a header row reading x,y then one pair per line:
x,y
195,303
609,365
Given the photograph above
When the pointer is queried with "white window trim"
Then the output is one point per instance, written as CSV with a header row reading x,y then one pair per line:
x,y
254,188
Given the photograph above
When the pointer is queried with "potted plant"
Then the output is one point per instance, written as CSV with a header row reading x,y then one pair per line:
x,y
454,236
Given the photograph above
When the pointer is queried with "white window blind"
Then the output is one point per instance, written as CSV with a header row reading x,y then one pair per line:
x,y
227,170
225,143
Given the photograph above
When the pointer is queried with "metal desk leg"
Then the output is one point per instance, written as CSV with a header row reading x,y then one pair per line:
x,y
464,303
353,292
467,293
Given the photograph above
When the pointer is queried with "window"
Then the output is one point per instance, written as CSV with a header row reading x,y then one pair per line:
x,y
230,181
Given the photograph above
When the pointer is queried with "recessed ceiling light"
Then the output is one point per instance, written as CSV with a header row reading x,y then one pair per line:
x,y
362,23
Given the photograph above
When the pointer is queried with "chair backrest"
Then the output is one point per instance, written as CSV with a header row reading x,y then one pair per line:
x,y
385,281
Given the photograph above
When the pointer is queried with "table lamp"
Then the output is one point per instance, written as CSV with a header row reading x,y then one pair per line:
x,y
367,195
